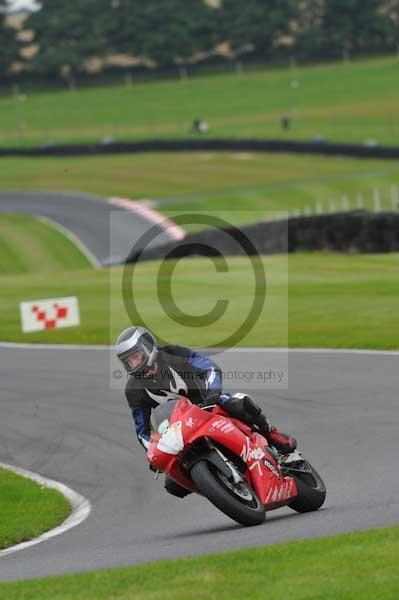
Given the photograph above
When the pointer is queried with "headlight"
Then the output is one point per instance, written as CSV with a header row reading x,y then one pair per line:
x,y
163,427
171,441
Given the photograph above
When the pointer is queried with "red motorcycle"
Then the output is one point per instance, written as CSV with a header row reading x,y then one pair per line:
x,y
208,452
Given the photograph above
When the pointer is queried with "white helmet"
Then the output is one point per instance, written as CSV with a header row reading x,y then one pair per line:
x,y
136,339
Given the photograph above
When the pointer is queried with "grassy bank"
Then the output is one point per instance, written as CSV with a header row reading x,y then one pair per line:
x,y
351,102
27,509
245,187
355,566
334,300
28,245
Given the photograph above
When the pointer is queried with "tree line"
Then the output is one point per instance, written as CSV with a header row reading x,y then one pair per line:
x,y
177,32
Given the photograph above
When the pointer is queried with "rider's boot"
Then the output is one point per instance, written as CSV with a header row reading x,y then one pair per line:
x,y
281,441
285,444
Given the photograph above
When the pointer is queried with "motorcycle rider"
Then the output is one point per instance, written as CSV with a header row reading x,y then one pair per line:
x,y
158,374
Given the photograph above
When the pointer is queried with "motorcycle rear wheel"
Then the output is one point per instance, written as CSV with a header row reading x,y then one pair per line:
x,y
311,488
242,505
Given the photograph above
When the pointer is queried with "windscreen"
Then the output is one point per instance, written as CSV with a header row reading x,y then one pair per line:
x,y
162,412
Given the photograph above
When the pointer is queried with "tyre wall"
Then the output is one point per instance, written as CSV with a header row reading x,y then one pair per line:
x,y
358,231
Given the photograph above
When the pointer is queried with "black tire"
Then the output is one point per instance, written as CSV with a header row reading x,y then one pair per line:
x,y
209,482
311,489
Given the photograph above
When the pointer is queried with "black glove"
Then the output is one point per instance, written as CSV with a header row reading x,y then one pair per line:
x,y
262,424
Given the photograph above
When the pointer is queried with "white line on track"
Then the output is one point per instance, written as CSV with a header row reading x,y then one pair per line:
x,y
93,260
81,508
320,351
23,346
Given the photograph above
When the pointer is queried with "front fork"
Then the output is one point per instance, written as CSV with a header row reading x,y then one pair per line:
x,y
235,475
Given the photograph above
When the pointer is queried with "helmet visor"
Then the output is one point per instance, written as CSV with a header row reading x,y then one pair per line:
x,y
137,360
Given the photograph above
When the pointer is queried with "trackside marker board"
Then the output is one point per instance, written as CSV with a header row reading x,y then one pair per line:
x,y
55,313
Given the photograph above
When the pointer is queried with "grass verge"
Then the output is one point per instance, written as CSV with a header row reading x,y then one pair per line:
x,y
352,102
27,509
354,566
28,245
245,187
313,300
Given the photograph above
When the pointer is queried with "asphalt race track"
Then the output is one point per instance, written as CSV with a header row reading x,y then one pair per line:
x,y
59,418
87,217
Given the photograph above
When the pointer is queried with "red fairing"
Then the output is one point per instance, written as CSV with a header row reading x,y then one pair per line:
x,y
263,471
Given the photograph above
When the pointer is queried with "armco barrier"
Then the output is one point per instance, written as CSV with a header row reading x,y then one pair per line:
x,y
357,231
207,145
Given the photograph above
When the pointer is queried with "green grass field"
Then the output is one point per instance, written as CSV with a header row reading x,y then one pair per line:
x,y
350,102
253,184
313,300
334,300
27,509
28,245
354,566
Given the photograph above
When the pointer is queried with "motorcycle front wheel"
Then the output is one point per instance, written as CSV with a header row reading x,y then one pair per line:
x,y
237,501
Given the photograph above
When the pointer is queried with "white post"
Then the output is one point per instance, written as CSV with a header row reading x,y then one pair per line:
x,y
394,197
319,208
307,211
360,201
183,73
345,203
332,206
239,67
377,200
296,213
19,108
